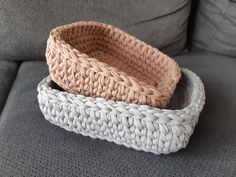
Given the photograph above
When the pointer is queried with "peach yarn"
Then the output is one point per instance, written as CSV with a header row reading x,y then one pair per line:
x,y
99,60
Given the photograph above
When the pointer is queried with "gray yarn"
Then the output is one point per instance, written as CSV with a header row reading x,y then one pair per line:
x,y
135,126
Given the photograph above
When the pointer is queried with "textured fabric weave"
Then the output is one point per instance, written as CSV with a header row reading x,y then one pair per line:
x,y
215,28
8,71
25,25
31,146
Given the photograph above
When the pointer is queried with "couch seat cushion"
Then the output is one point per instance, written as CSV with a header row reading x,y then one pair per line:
x,y
8,71
31,146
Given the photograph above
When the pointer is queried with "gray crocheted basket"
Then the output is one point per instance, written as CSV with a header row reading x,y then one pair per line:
x,y
136,126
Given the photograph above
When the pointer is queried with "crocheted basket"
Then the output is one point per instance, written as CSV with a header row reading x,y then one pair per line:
x,y
136,126
99,60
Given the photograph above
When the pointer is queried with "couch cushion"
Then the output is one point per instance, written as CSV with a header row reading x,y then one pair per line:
x,y
31,146
25,25
8,71
215,28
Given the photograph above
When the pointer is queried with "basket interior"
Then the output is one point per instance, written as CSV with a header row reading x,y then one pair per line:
x,y
123,52
183,93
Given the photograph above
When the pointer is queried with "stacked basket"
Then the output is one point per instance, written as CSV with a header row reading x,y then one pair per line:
x,y
107,84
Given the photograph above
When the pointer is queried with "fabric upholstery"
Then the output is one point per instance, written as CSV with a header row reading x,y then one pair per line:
x,y
215,28
31,146
25,25
8,71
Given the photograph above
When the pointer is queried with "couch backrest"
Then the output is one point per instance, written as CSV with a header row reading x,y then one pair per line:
x,y
215,27
25,25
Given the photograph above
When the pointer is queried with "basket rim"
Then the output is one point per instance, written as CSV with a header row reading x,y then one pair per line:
x,y
159,94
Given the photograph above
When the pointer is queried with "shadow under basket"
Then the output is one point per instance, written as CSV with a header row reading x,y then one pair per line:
x,y
140,127
99,60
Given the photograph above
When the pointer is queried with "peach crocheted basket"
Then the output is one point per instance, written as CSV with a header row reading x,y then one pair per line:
x,y
99,60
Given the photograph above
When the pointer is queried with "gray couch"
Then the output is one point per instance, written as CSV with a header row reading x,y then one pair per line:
x,y
199,35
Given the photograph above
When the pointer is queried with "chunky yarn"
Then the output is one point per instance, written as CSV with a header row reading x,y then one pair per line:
x,y
140,127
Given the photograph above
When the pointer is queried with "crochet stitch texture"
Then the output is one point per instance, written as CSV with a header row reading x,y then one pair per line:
x,y
99,60
140,127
